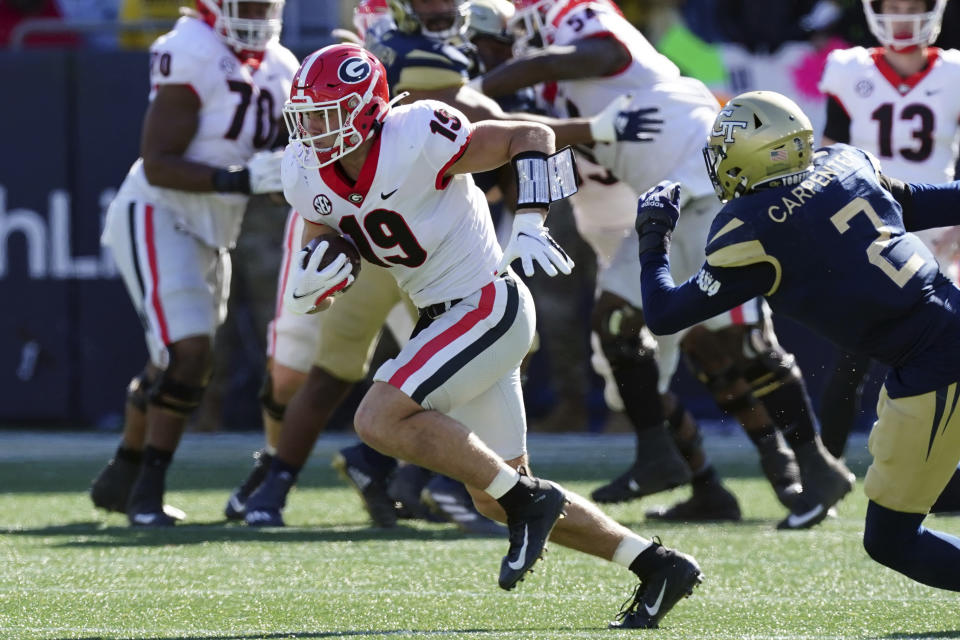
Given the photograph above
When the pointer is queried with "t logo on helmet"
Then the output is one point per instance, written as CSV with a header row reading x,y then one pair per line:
x,y
353,70
726,128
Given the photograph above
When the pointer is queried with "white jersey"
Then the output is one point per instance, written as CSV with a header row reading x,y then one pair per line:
x,y
434,233
240,113
909,124
686,106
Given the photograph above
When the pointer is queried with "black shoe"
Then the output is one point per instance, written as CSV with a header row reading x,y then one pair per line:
x,y
145,507
528,527
265,505
826,481
711,502
111,488
235,509
658,592
661,467
370,483
779,465
405,488
450,500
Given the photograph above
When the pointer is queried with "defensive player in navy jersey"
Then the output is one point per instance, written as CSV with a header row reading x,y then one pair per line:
x,y
825,237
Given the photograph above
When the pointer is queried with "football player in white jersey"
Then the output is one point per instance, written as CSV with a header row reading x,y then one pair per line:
x,y
901,102
218,83
593,52
396,181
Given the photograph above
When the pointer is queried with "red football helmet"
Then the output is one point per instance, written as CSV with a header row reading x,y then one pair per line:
x,y
246,26
339,97
370,14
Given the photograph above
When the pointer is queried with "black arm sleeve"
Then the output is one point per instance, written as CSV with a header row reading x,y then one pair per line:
x,y
932,206
902,194
838,122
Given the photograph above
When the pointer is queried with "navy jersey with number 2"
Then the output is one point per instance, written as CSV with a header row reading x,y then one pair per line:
x,y
834,254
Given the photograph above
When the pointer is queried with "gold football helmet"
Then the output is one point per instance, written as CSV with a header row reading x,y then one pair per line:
x,y
760,139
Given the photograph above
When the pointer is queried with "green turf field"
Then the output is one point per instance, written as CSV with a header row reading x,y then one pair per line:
x,y
68,571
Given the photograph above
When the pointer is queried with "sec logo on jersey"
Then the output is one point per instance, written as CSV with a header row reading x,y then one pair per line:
x,y
353,70
322,205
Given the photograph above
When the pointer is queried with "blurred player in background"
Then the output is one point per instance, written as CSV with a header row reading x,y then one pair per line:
x,y
900,102
825,236
592,53
219,80
603,211
451,399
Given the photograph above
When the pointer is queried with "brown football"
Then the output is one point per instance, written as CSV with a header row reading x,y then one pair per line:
x,y
338,245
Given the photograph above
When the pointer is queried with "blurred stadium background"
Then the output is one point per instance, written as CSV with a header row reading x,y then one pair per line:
x,y
75,78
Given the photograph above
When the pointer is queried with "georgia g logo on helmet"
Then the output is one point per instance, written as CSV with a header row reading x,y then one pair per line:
x,y
354,70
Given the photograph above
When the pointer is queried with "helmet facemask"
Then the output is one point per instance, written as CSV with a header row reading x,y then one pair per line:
x,y
408,20
247,25
333,119
531,24
902,32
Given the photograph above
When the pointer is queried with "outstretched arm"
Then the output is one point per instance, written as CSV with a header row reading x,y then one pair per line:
x,y
926,206
587,58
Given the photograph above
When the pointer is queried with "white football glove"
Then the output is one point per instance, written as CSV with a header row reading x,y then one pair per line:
x,y
309,286
531,242
264,168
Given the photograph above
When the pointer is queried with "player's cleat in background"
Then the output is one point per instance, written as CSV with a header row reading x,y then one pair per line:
x,y
711,502
450,500
528,528
659,591
826,481
265,505
111,488
779,465
658,467
369,482
405,487
236,505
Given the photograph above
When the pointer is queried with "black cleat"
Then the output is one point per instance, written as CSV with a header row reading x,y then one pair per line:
x,y
152,519
826,481
711,502
779,465
111,488
370,483
265,505
529,527
661,468
657,593
236,505
145,506
405,488
450,500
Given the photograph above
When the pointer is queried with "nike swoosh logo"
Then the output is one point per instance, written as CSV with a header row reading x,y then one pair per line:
x,y
145,518
931,92
384,196
297,296
632,485
798,520
235,504
656,605
522,558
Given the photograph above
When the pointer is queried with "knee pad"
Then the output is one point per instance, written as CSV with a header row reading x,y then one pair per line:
x,y
624,338
273,408
175,397
138,390
770,366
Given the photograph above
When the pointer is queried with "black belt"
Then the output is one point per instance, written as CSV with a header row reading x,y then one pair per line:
x,y
436,310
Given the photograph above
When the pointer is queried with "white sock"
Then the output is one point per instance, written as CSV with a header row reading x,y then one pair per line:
x,y
505,480
629,548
